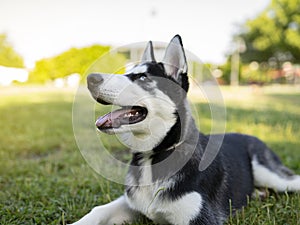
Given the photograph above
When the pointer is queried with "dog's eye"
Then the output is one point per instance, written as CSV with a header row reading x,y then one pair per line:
x,y
142,77
137,77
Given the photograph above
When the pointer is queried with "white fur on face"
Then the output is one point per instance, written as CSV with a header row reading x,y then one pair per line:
x,y
138,69
145,135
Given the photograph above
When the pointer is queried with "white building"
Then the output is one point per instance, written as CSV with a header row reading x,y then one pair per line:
x,y
10,74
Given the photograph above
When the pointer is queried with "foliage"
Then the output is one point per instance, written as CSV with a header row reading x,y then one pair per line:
x,y
201,72
76,60
253,73
8,56
274,36
226,69
45,180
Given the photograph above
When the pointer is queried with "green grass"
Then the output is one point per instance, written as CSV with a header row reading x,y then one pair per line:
x,y
45,180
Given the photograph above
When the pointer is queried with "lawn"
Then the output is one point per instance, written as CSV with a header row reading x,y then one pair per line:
x,y
45,180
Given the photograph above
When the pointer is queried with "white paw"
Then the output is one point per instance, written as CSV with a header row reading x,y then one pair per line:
x,y
116,212
96,217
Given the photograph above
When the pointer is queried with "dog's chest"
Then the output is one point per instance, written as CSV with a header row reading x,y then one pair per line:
x,y
146,195
153,198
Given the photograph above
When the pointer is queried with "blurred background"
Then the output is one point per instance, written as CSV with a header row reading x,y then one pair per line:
x,y
241,42
250,47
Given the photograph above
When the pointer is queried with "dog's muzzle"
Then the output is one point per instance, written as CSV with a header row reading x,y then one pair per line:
x,y
127,115
94,80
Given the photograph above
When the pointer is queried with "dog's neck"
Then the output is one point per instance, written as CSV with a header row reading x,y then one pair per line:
x,y
172,154
166,162
178,153
178,133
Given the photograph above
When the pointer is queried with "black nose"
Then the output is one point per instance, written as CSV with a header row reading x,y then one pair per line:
x,y
94,79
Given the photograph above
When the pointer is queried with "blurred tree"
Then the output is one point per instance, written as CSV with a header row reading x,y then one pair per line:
x,y
76,60
226,69
274,36
8,56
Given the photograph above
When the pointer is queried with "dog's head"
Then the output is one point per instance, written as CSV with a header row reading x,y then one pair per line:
x,y
151,97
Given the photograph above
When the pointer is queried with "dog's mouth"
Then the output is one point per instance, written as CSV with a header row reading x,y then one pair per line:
x,y
125,116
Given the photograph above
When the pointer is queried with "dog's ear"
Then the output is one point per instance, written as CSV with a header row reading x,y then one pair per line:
x,y
148,55
175,63
174,60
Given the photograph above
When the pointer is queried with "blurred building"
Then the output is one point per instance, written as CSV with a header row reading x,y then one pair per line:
x,y
9,74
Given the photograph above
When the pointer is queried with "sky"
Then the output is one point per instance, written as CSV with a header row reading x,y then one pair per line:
x,y
44,28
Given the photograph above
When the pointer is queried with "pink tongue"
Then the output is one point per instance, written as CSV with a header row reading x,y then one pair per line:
x,y
104,121
111,120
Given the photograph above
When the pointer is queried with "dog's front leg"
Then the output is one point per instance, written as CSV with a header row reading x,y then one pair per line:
x,y
115,212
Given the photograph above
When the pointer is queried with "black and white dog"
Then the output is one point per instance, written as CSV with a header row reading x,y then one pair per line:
x,y
164,181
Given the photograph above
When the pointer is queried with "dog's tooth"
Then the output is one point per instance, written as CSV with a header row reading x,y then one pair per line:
x,y
130,114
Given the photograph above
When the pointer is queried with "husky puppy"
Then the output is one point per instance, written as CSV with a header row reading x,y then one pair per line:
x,y
164,182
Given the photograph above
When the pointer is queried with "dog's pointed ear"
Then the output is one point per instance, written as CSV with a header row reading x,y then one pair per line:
x,y
174,60
148,55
